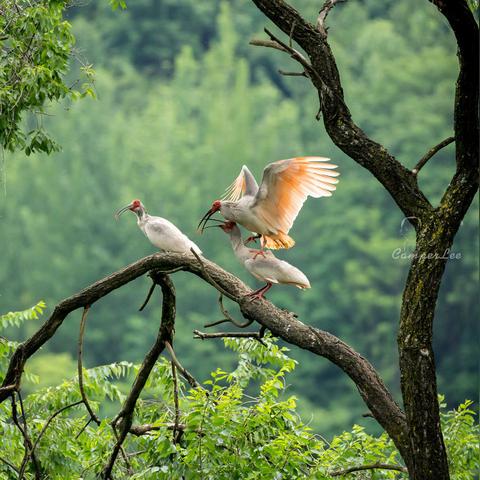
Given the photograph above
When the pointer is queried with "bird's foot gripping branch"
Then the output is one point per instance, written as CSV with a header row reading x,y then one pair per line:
x,y
281,323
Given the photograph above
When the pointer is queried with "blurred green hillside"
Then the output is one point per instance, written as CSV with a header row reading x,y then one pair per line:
x,y
183,102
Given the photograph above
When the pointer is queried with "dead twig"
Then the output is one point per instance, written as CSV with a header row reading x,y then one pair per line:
x,y
255,335
83,428
152,288
176,431
149,294
268,44
323,13
431,153
228,317
293,74
81,334
187,375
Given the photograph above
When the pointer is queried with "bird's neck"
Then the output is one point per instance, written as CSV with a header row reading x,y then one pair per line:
x,y
240,250
142,215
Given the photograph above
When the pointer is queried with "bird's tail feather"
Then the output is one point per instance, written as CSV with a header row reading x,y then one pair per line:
x,y
277,241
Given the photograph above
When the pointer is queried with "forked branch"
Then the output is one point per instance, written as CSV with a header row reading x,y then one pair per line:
x,y
124,419
281,323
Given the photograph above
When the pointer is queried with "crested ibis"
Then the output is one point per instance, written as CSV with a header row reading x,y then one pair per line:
x,y
267,267
161,233
271,209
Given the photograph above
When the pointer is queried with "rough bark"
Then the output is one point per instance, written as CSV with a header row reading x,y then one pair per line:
x,y
425,454
123,421
279,322
434,238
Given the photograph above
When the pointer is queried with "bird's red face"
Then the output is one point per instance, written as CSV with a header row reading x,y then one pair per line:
x,y
216,205
134,206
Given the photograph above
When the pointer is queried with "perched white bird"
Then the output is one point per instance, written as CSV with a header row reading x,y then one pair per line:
x,y
263,265
161,233
271,209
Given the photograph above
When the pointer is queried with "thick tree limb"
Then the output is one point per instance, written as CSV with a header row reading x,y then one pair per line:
x,y
399,181
373,466
423,451
431,153
124,418
281,323
436,235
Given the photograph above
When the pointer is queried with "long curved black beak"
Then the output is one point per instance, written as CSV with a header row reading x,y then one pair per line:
x,y
220,225
203,222
123,209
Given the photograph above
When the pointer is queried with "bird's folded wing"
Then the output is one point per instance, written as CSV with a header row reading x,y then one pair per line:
x,y
244,184
285,186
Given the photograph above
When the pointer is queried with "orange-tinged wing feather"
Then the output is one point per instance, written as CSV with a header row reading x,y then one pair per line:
x,y
236,190
244,184
286,184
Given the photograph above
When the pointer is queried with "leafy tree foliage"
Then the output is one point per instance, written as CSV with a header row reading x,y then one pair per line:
x,y
238,424
36,44
177,142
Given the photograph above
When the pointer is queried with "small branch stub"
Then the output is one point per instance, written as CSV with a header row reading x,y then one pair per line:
x,y
434,150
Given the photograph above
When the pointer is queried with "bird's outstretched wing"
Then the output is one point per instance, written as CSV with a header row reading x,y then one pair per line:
x,y
244,184
285,186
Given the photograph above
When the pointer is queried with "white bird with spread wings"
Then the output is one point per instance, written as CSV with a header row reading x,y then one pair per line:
x,y
271,209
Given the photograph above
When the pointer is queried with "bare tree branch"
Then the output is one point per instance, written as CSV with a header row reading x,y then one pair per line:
x,y
83,322
255,335
139,430
268,44
31,451
399,181
431,153
373,466
176,431
28,446
11,465
323,13
147,299
228,318
293,74
281,323
185,373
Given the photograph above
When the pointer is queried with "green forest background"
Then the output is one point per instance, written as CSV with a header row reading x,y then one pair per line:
x,y
182,103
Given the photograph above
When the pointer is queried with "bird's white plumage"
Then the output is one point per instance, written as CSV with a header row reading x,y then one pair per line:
x,y
165,235
264,265
271,208
161,233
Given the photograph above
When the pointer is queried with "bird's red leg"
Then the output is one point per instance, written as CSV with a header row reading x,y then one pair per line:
x,y
256,253
262,247
260,292
252,238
